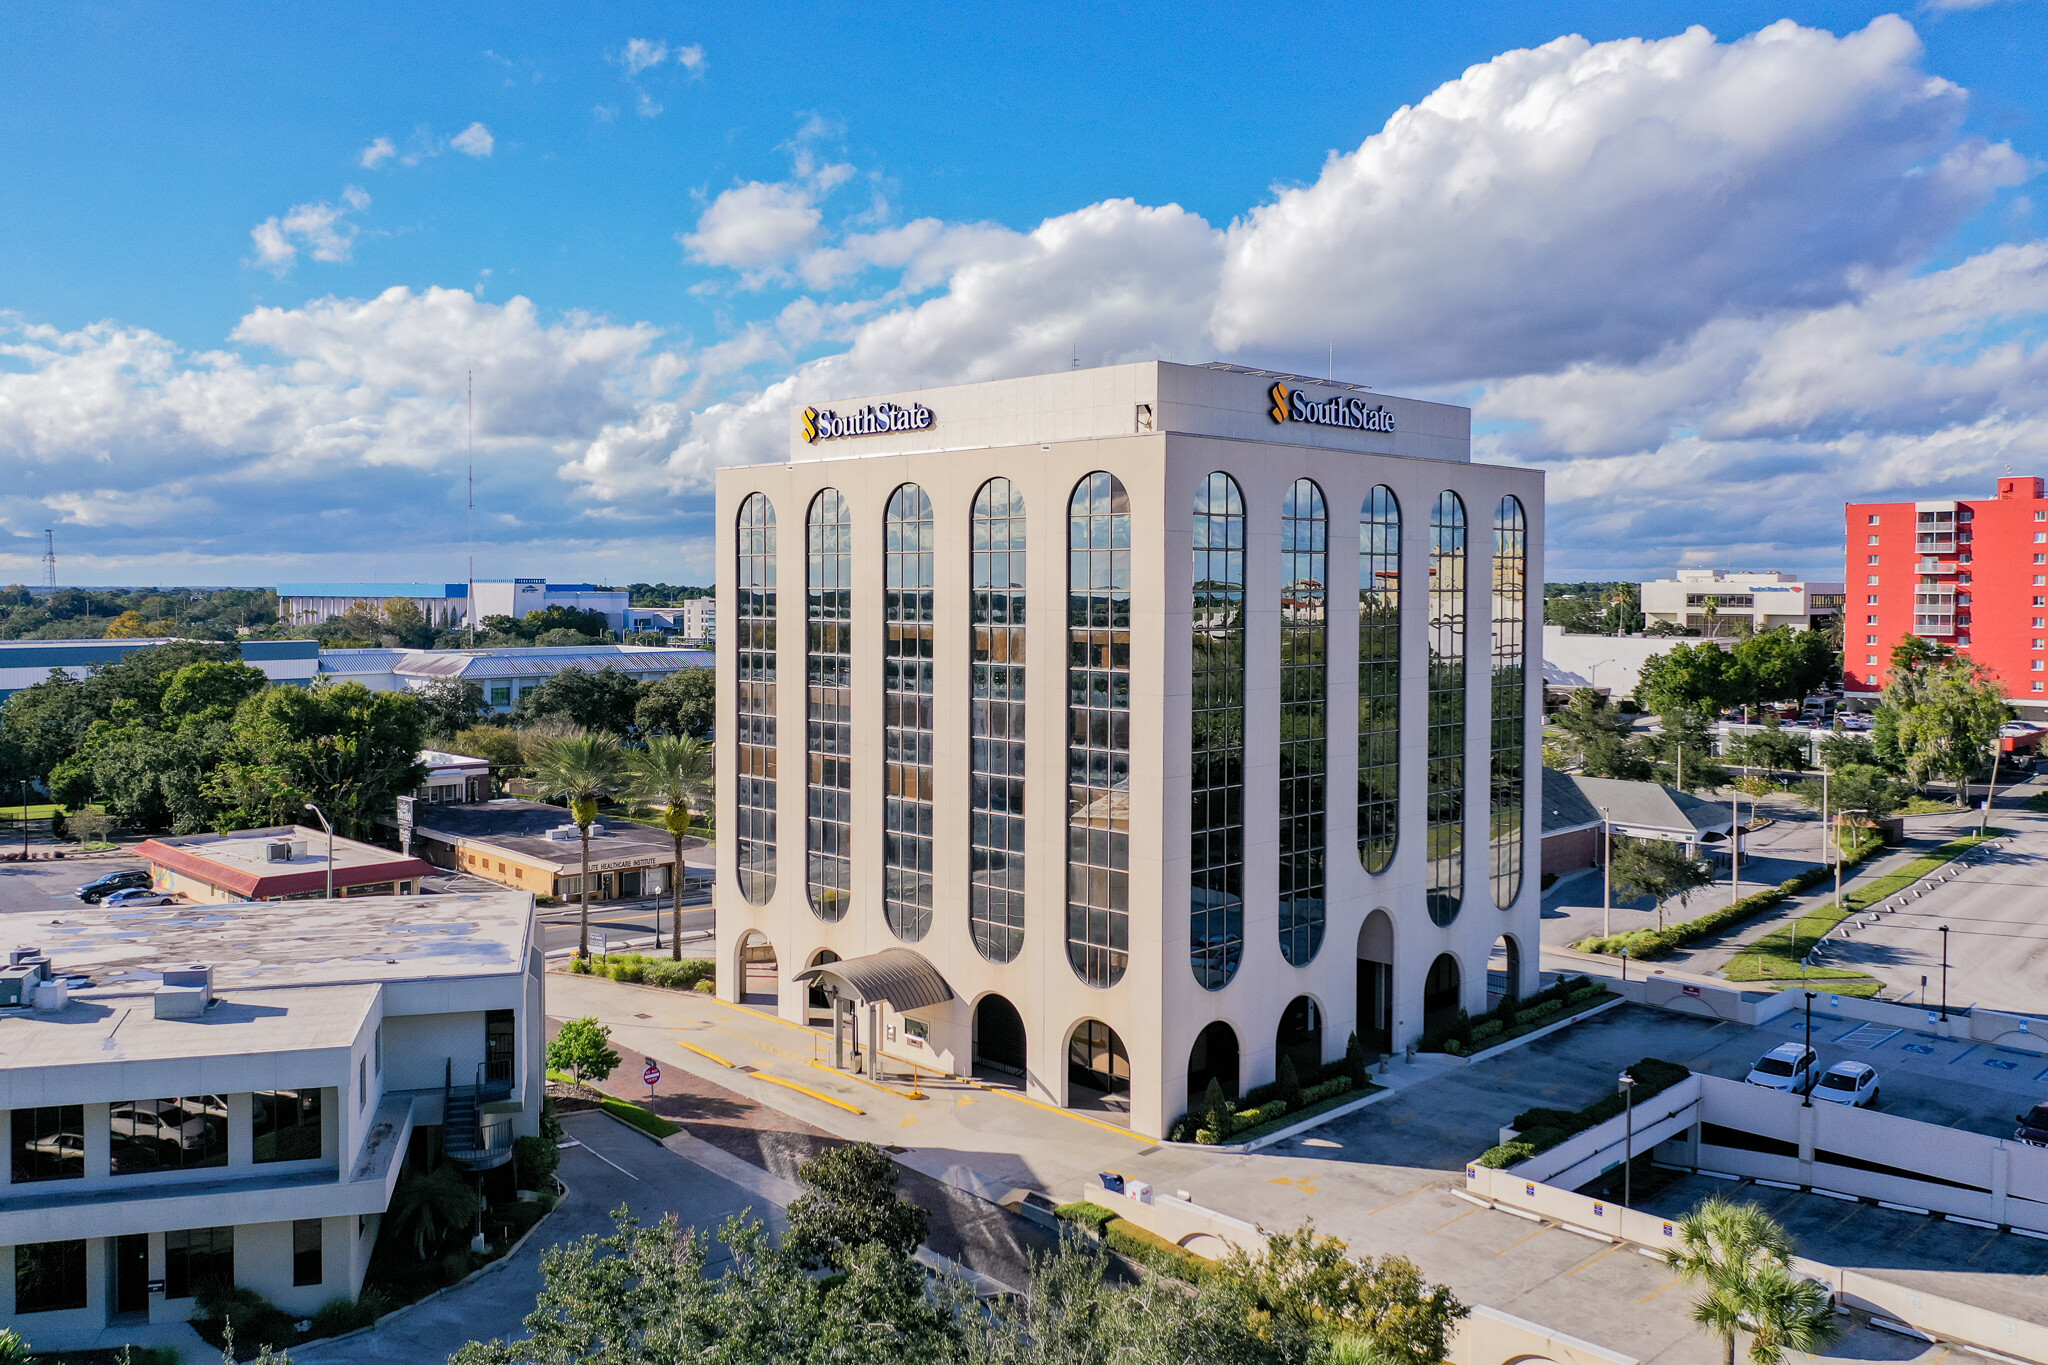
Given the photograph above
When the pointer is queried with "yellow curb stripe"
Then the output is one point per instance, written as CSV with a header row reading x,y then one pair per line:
x,y
704,1052
814,1094
886,1090
1066,1113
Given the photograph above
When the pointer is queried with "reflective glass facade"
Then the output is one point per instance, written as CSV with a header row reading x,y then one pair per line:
x,y
995,906
828,712
754,686
1099,729
1216,774
1445,809
907,714
1379,678
1510,697
1304,717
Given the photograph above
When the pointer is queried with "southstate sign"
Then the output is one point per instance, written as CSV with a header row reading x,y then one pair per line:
x,y
1292,405
823,424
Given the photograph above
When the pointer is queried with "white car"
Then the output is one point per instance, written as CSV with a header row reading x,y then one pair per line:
x,y
1852,1083
1788,1066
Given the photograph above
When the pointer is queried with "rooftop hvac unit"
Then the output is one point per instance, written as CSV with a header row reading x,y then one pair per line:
x,y
277,851
563,834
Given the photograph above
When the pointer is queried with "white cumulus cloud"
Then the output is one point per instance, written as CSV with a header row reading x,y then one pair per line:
x,y
475,140
321,229
755,224
376,154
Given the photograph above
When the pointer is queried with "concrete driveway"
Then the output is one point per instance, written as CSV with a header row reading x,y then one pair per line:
x,y
614,1165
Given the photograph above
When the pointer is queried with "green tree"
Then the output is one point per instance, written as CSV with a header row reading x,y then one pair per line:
x,y
681,704
1597,737
1784,664
1946,716
1312,1283
585,770
1741,1259
406,625
606,700
1839,751
1659,870
1683,745
209,690
452,705
850,1202
582,1047
1859,787
495,744
1690,677
348,749
427,1209
1913,653
674,772
1769,748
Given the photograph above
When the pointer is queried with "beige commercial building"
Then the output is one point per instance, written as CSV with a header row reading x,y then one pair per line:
x,y
1054,745
1712,601
283,863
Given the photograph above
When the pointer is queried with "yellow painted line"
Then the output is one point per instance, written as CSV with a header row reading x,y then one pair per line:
x,y
1655,1292
1441,1226
704,1052
1065,1113
849,1076
806,1090
1519,1240
1594,1259
1391,1202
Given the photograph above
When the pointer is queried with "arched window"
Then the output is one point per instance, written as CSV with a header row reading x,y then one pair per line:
x,y
1445,810
1214,1057
1216,805
1510,697
1441,991
907,714
754,696
1379,678
1099,730
1304,717
828,679
995,908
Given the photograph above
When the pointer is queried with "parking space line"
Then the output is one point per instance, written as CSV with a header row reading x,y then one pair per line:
x,y
1597,1256
1519,1240
1964,1053
1441,1226
1655,1292
1391,1202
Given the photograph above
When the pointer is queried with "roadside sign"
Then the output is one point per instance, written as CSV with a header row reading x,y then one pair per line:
x,y
405,824
652,1075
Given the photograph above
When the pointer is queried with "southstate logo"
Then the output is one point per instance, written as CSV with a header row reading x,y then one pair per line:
x,y
810,424
823,424
1279,394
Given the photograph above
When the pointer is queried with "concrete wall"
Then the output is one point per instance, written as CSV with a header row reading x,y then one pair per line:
x,y
1571,851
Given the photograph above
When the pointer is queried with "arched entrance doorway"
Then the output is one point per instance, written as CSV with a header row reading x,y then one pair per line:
x,y
1300,1036
1098,1069
1440,992
818,1005
1213,1057
757,980
1503,972
998,1039
1376,984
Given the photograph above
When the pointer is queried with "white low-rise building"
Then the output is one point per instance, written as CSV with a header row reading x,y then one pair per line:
x,y
1710,600
231,1092
505,675
24,663
1606,663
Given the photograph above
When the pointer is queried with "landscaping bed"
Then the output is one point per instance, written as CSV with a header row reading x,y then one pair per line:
x,y
638,969
1541,1129
1649,944
1512,1019
1264,1107
570,1096
1142,1245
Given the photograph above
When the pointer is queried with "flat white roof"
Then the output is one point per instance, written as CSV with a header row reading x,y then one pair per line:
x,y
121,1026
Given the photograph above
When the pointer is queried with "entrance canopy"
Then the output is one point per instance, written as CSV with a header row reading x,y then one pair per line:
x,y
896,977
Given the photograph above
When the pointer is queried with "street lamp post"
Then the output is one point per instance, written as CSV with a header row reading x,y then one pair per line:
x,y
1628,1150
1606,874
1990,791
329,827
1944,972
1806,1100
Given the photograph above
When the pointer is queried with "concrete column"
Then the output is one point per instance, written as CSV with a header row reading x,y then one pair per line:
x,y
1808,1123
2001,1156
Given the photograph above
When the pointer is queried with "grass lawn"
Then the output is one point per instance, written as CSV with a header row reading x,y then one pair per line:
x,y
35,812
647,1121
1928,805
1776,956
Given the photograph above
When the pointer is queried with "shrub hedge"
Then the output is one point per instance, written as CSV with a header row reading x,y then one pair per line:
x,y
1513,1016
1244,1120
690,974
1648,944
1541,1129
1147,1248
1350,1067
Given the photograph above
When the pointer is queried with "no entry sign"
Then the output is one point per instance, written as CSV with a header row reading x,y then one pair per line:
x,y
652,1075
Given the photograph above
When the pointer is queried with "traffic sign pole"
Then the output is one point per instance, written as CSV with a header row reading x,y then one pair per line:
x,y
652,1075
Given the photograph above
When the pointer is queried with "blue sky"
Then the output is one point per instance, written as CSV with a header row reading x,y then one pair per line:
x,y
248,253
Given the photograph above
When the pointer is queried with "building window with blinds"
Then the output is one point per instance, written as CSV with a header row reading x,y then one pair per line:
x,y
1445,805
1304,691
1098,730
1379,678
1216,772
828,683
995,892
754,693
1510,698
907,714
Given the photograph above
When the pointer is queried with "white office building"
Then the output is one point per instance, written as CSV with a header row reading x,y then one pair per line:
x,y
505,675
1180,818
230,1091
1712,601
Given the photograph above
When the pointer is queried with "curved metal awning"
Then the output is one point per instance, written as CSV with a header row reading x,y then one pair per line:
x,y
896,977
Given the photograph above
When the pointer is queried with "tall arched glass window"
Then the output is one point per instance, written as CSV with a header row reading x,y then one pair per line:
x,y
1099,730
1510,697
1379,678
1216,774
828,682
754,695
995,892
907,713
1445,810
1304,717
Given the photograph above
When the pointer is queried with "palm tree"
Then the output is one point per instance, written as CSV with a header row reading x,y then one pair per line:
x,y
425,1209
585,768
674,770
1742,1257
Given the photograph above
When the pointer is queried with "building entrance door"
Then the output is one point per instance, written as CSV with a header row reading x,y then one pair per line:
x,y
131,1274
629,883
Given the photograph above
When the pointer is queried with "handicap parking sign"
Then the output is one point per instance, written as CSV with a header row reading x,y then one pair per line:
x,y
1920,1048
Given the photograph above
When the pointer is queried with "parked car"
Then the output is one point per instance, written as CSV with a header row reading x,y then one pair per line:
x,y
1851,1083
124,880
1788,1066
2033,1129
141,895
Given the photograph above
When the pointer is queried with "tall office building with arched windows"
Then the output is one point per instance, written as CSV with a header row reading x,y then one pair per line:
x,y
1107,732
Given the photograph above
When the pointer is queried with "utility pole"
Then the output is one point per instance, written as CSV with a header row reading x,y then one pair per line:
x,y
1606,875
49,558
1990,791
470,613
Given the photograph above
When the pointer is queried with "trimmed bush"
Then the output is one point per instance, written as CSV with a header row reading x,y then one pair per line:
x,y
534,1160
336,1316
1510,1015
1089,1215
1489,1029
1543,1128
1507,1154
1316,1094
1154,1252
1537,1012
1648,944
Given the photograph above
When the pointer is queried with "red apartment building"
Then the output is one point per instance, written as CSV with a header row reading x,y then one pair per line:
x,y
1969,573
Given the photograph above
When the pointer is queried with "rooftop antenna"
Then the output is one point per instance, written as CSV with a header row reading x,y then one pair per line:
x,y
1076,363
49,558
1330,365
469,612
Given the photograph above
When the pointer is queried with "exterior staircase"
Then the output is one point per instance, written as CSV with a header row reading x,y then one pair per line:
x,y
464,1140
